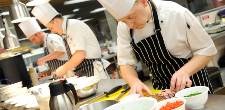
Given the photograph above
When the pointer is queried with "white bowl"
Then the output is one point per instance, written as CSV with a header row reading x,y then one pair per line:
x,y
164,102
194,102
83,82
143,103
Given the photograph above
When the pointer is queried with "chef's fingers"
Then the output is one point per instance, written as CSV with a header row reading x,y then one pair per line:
x,y
173,83
189,83
139,91
178,84
171,95
54,76
146,89
133,90
183,84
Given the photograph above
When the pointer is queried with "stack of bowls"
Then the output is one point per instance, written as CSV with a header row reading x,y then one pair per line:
x,y
12,90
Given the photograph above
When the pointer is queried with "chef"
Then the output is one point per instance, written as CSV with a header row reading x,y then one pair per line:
x,y
54,47
167,38
82,43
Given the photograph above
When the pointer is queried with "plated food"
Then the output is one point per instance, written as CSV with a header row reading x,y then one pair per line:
x,y
157,97
163,95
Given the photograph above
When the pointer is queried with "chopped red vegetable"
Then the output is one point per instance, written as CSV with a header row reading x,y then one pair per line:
x,y
171,106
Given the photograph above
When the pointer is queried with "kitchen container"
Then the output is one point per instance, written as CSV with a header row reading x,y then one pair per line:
x,y
196,101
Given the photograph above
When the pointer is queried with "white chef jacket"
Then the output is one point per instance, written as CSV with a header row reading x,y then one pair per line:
x,y
183,35
54,42
80,37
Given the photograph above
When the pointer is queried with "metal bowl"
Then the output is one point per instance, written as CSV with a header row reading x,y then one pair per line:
x,y
87,91
85,86
98,105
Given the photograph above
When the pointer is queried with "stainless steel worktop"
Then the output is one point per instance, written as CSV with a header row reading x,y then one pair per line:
x,y
215,102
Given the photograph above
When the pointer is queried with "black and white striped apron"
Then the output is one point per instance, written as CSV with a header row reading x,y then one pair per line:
x,y
86,68
162,64
53,64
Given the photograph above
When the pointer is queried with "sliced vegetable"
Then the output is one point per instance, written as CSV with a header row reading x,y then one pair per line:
x,y
171,106
193,94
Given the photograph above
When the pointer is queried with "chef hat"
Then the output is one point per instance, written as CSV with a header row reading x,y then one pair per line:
x,y
30,27
118,8
44,13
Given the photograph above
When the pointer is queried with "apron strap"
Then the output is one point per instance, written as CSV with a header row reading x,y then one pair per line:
x,y
65,41
155,16
46,45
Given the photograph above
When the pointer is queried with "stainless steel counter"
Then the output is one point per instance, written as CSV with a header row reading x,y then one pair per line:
x,y
215,102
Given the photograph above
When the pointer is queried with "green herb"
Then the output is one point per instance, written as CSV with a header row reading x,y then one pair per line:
x,y
193,94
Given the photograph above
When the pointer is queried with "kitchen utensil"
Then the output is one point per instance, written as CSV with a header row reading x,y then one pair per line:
x,y
42,94
126,89
101,95
197,101
63,96
98,105
113,90
10,41
85,86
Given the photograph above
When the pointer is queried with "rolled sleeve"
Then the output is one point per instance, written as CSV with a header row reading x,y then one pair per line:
x,y
125,52
199,40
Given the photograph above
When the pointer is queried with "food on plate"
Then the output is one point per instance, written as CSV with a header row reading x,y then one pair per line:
x,y
193,94
172,105
167,93
156,96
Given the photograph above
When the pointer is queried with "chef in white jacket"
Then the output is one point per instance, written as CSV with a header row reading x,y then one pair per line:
x,y
54,48
167,38
82,43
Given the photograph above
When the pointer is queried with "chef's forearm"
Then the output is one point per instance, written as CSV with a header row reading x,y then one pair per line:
x,y
195,64
53,56
129,74
75,60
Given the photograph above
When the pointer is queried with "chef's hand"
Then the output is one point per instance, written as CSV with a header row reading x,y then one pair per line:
x,y
59,73
40,61
180,80
140,88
